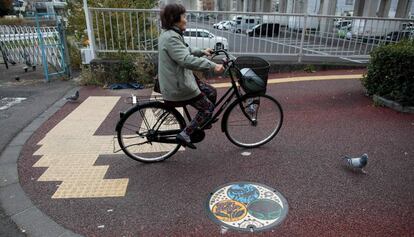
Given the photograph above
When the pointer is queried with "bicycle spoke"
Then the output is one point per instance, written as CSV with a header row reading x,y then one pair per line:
x,y
159,127
261,116
134,128
144,119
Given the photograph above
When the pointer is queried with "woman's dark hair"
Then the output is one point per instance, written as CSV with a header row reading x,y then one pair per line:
x,y
171,14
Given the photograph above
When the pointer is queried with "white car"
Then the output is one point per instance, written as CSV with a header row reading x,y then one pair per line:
x,y
227,25
201,38
218,24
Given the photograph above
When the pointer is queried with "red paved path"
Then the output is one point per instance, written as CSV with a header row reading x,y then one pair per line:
x,y
324,120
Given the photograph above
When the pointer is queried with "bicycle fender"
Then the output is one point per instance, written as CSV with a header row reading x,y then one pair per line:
x,y
122,115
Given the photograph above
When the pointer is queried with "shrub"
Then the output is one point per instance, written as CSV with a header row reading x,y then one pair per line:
x,y
309,68
74,55
120,68
12,21
391,73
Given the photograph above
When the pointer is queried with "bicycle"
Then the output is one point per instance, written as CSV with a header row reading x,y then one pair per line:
x,y
147,132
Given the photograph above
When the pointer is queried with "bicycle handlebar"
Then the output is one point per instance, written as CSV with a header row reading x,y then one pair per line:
x,y
226,61
217,52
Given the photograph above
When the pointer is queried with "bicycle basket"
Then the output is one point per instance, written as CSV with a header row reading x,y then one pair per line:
x,y
254,72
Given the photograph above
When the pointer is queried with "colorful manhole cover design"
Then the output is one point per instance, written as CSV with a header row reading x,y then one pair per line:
x,y
247,206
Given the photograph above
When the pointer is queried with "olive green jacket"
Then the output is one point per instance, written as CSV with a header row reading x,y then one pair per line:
x,y
176,60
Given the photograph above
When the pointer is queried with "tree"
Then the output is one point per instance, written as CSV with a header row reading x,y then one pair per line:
x,y
6,6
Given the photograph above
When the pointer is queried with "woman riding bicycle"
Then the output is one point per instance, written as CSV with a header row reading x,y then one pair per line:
x,y
176,61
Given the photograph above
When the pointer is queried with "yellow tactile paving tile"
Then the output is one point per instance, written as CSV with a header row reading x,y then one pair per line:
x,y
68,159
92,189
74,173
65,145
70,150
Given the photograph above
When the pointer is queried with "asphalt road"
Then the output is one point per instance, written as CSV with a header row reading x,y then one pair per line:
x,y
38,96
288,44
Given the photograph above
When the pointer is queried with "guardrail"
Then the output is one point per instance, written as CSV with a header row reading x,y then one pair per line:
x,y
314,37
21,44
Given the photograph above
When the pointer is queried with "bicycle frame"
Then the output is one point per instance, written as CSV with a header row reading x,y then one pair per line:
x,y
169,136
230,93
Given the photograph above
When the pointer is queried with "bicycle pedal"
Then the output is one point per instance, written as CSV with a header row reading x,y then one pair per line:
x,y
184,143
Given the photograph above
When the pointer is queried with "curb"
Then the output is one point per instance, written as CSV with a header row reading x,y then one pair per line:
x,y
393,105
13,199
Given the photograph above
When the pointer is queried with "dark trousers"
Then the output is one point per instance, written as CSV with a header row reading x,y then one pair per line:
x,y
205,104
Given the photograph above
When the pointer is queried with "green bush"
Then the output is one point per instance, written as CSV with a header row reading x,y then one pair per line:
x,y
74,55
119,68
391,72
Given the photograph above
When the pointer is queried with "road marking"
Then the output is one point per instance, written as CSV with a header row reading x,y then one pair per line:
x,y
337,51
323,48
296,47
314,45
298,79
311,50
8,102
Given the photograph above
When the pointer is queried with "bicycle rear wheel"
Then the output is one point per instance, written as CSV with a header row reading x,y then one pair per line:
x,y
140,129
253,120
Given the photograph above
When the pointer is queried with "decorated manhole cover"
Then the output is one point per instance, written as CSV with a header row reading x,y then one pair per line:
x,y
247,206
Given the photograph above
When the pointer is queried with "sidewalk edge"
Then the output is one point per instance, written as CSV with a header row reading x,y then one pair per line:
x,y
34,222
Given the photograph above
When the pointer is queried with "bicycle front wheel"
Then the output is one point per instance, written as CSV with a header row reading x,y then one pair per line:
x,y
253,120
147,132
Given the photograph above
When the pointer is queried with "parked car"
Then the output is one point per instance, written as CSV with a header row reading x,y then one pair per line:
x,y
408,26
343,24
217,24
192,16
399,35
227,25
201,38
264,29
244,23
207,17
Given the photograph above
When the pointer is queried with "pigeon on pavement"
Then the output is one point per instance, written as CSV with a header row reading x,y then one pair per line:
x,y
74,97
357,163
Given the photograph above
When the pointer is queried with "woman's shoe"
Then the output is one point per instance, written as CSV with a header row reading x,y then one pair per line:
x,y
181,140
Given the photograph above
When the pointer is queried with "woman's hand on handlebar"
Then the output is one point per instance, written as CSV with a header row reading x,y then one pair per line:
x,y
208,52
219,68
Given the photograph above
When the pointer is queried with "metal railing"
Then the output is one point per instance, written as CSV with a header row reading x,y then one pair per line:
x,y
21,44
295,36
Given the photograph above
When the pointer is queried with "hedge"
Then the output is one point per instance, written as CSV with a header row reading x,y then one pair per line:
x,y
391,72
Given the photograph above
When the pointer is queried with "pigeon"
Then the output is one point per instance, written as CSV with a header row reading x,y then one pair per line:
x,y
74,97
357,163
